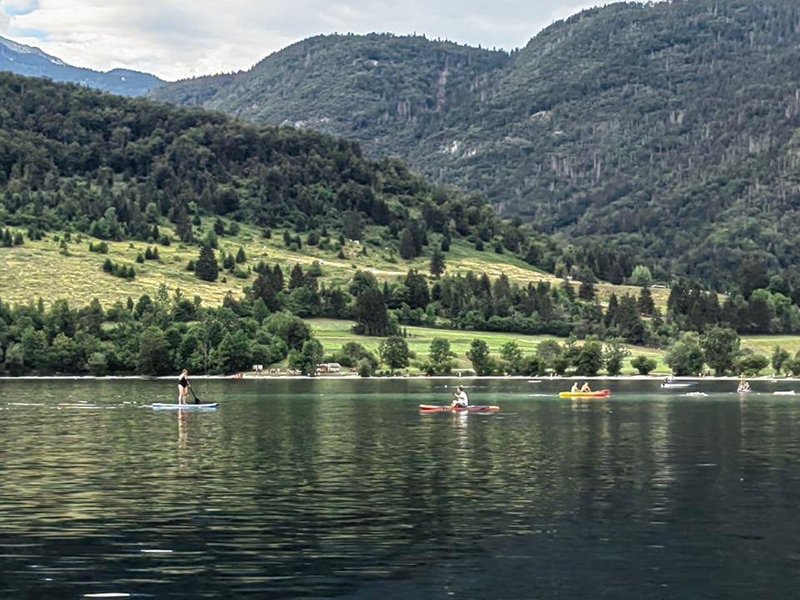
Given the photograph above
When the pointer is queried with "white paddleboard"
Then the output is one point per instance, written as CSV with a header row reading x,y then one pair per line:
x,y
161,406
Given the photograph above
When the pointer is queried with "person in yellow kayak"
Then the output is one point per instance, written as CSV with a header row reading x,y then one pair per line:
x,y
584,388
460,398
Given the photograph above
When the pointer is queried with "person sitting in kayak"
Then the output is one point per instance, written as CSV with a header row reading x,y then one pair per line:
x,y
575,389
183,386
585,387
744,386
460,400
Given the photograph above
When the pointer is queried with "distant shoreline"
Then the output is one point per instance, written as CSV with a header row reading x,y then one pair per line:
x,y
533,380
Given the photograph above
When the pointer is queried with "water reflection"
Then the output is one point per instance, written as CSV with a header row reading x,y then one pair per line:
x,y
314,489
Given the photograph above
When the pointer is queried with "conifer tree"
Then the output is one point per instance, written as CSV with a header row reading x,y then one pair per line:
x,y
277,278
228,261
586,291
445,247
437,266
296,277
408,249
183,226
206,267
646,304
371,313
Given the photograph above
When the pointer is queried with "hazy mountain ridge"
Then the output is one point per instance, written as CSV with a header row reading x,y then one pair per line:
x,y
32,62
664,130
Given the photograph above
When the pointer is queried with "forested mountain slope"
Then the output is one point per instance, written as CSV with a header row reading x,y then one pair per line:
x,y
663,132
387,92
114,168
669,130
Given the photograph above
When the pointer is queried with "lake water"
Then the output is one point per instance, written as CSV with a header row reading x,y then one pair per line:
x,y
321,489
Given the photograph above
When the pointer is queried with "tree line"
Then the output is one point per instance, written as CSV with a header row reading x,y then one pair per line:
x,y
119,169
155,336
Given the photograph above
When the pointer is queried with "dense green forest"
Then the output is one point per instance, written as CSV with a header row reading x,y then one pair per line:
x,y
114,167
163,334
78,166
384,91
660,133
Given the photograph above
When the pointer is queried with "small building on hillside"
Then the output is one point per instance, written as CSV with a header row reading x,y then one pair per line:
x,y
329,368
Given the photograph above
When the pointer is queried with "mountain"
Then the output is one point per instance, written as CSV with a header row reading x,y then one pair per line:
x,y
26,60
661,132
381,90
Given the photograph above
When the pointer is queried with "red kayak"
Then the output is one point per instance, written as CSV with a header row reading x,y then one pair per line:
x,y
432,408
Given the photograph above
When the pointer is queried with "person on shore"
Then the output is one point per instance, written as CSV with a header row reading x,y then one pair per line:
x,y
575,389
585,387
460,398
183,386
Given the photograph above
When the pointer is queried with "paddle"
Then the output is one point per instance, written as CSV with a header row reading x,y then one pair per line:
x,y
196,399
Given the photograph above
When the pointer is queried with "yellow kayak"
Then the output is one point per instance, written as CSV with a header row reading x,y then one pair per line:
x,y
597,394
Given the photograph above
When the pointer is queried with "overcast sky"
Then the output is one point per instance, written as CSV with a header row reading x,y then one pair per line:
x,y
184,38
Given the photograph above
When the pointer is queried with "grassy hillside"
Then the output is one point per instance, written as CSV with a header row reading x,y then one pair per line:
x,y
41,269
117,169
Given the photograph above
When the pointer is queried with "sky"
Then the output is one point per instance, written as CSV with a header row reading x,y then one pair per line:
x,y
185,38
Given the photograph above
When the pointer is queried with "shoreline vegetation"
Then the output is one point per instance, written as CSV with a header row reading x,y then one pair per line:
x,y
290,250
355,376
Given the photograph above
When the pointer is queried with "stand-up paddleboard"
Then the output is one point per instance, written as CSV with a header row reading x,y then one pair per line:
x,y
668,385
161,406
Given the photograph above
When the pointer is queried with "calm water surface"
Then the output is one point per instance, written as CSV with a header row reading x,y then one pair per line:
x,y
319,489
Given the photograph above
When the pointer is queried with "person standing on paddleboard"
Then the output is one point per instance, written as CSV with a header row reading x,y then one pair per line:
x,y
461,400
183,386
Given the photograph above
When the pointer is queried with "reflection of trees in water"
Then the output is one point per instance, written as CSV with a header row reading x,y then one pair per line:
x,y
342,477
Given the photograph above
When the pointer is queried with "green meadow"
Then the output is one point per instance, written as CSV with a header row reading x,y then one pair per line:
x,y
333,334
53,268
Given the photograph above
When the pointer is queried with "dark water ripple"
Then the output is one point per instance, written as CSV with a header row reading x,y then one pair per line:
x,y
340,489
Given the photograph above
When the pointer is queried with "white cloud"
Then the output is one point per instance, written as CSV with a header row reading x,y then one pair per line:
x,y
18,7
180,38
